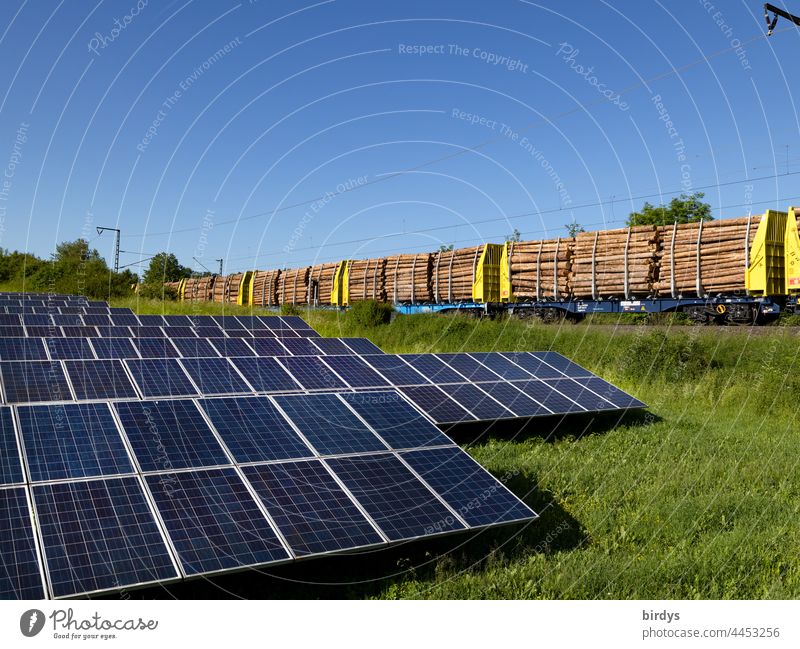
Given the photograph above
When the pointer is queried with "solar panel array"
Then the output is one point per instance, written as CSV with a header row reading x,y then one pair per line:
x,y
144,449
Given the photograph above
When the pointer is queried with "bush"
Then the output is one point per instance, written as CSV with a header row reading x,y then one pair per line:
x,y
152,291
290,309
370,313
675,357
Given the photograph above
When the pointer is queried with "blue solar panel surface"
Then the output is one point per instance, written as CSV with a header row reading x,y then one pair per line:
x,y
161,377
266,374
10,463
20,574
355,371
215,376
34,381
437,405
312,373
66,348
105,379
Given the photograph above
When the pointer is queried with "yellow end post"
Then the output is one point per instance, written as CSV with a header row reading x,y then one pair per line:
x,y
243,297
792,253
486,287
181,289
340,295
506,292
765,274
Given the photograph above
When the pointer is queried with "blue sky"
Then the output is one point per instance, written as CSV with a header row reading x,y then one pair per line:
x,y
274,133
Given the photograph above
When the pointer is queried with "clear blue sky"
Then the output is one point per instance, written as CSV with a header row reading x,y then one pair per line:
x,y
204,128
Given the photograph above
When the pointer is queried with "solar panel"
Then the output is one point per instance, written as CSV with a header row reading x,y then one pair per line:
x,y
468,367
266,375
268,347
311,373
195,348
331,346
152,321
41,319
432,368
314,514
610,393
186,321
262,333
124,320
160,377
228,322
43,332
209,332
398,423
436,404
355,371
22,349
232,347
480,404
251,322
361,346
534,366
301,346
155,348
63,319
215,376
513,399
72,440
20,574
239,333
64,348
178,332
103,379
214,522
12,332
274,322
114,332
285,333
169,435
401,505
114,348
151,332
254,430
328,424
548,397
468,488
34,381
580,394
10,319
395,369
99,535
293,321
501,366
10,464
562,364
82,332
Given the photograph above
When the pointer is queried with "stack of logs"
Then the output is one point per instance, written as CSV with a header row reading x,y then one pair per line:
x,y
265,287
320,283
600,261
293,286
454,274
408,278
541,269
723,256
367,280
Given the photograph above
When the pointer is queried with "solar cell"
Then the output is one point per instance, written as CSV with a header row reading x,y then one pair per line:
x,y
37,319
22,349
251,322
179,332
114,332
432,368
215,376
102,379
331,346
266,375
155,347
62,319
10,464
268,347
64,348
468,488
355,371
480,404
562,364
43,332
149,332
72,440
160,377
273,322
436,404
82,332
239,333
501,366
254,430
468,367
548,397
262,333
513,399
285,333
328,424
534,366
99,535
209,332
610,393
169,435
401,505
34,381
9,331
227,322
312,373
232,347
186,321
195,348
395,420
301,346
314,514
114,348
10,319
20,574
124,320
395,369
152,321
361,346
580,394
293,322
213,521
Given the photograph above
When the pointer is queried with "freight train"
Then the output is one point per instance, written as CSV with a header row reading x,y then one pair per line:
x,y
727,271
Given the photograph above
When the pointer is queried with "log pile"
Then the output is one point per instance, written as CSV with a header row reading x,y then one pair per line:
x,y
367,280
723,256
320,283
199,289
265,287
293,286
454,274
408,278
614,257
541,269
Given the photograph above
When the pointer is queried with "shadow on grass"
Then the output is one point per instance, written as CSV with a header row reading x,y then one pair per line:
x,y
371,573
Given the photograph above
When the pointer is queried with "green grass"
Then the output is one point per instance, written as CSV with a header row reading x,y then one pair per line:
x,y
699,498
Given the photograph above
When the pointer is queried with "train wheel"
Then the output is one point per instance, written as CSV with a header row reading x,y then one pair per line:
x,y
698,315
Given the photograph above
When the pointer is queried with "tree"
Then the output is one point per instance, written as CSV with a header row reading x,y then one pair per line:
x,y
444,248
165,267
573,228
514,237
686,208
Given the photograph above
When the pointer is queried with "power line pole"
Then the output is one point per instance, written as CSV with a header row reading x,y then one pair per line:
x,y
100,231
220,265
